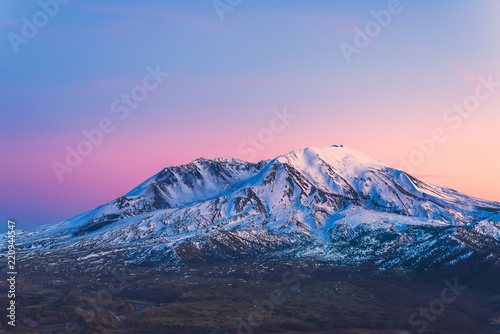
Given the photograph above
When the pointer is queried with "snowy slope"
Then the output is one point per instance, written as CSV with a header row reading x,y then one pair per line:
x,y
309,202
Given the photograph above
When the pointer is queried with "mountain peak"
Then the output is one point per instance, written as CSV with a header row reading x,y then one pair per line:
x,y
231,161
311,197
338,156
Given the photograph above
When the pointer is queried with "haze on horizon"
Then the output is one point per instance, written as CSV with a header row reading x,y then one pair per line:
x,y
419,85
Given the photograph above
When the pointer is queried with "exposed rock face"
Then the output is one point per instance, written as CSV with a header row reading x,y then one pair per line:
x,y
331,203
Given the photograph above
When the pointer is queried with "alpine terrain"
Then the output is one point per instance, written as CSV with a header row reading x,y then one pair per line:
x,y
332,204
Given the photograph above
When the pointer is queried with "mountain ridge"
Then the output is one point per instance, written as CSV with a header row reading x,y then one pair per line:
x,y
312,202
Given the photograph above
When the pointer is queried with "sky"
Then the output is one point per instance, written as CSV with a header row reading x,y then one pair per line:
x,y
97,96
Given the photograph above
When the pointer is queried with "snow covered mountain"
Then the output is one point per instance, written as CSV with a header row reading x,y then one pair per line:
x,y
330,203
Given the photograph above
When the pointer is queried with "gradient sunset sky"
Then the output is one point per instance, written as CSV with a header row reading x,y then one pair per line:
x,y
226,80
